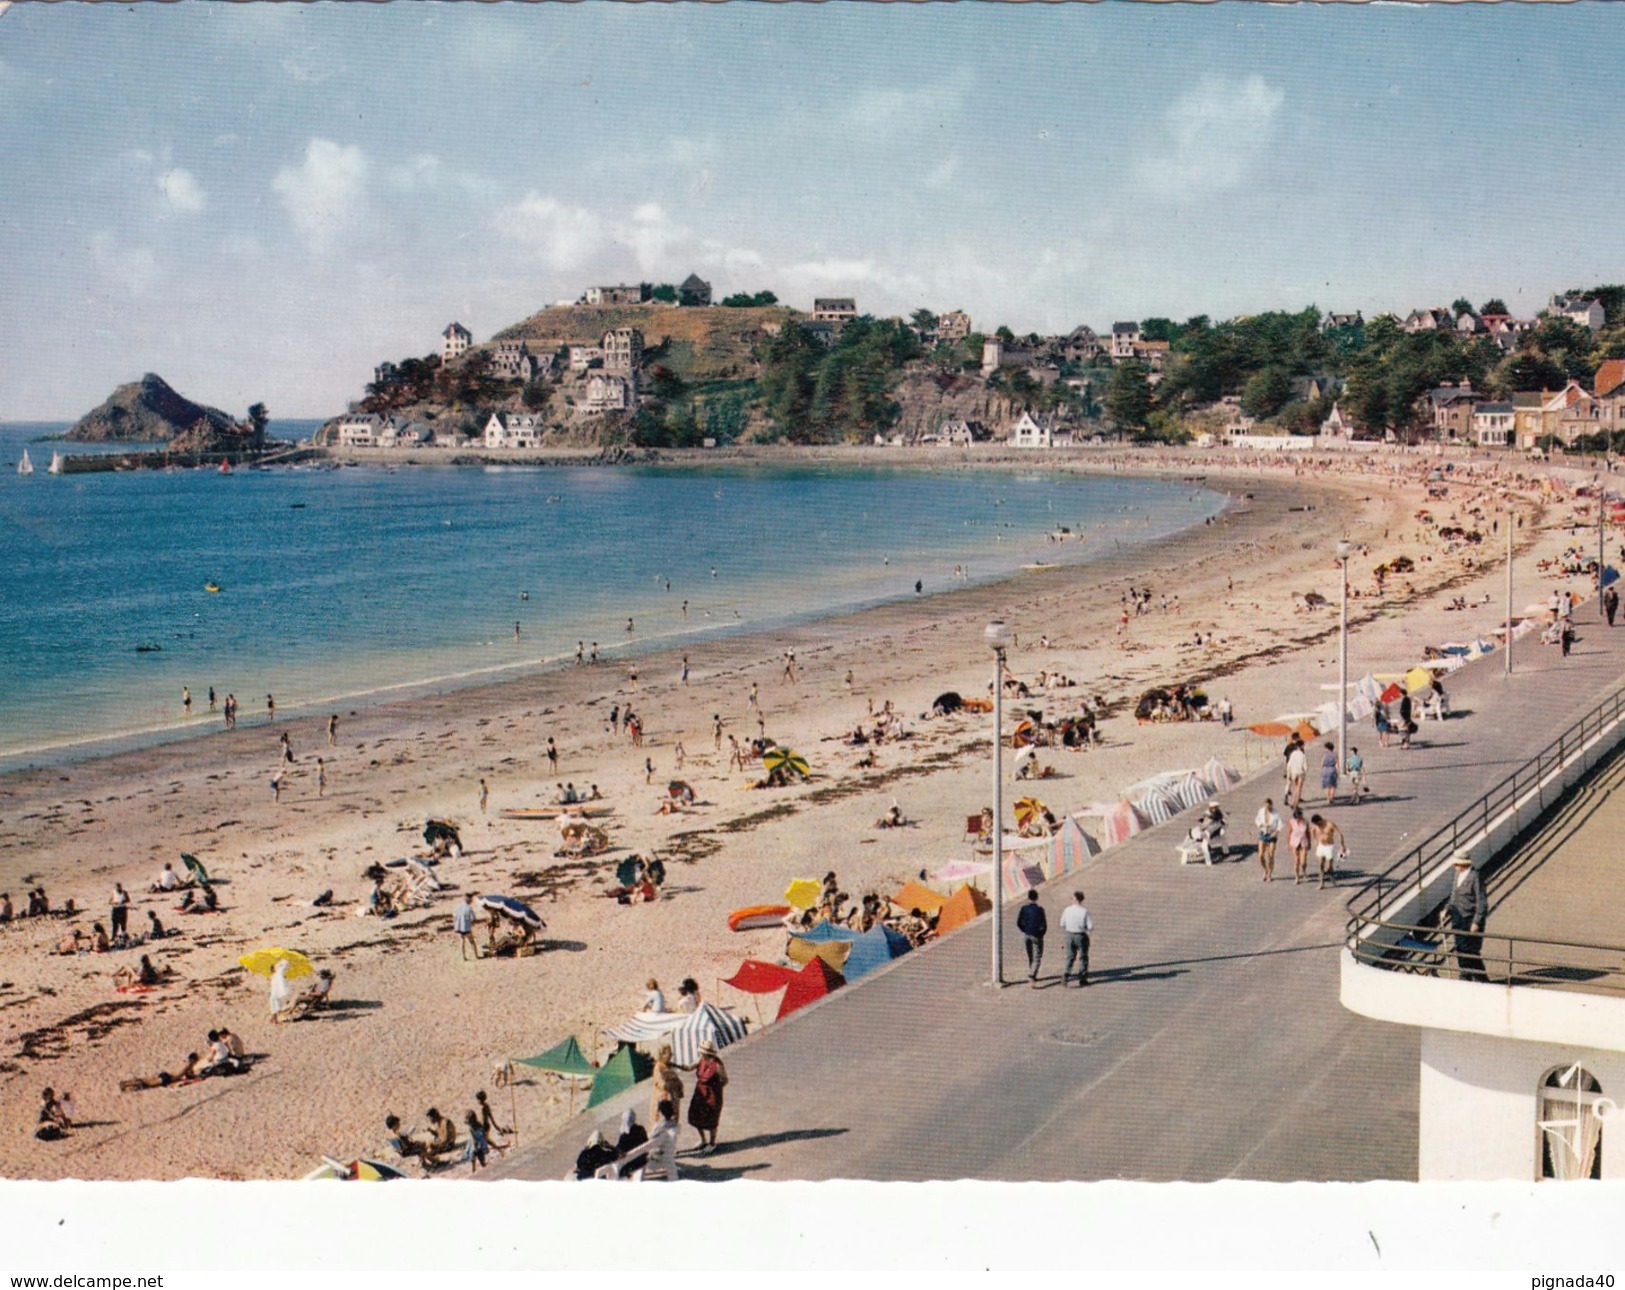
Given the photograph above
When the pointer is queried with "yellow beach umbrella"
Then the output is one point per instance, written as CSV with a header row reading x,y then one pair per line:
x,y
1418,678
803,893
263,962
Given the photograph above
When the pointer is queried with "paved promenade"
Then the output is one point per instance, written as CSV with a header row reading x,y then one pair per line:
x,y
1211,1045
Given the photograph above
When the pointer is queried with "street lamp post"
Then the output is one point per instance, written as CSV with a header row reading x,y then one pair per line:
x,y
1508,642
998,636
1345,549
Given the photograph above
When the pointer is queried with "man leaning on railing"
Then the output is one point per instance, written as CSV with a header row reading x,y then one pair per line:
x,y
1465,913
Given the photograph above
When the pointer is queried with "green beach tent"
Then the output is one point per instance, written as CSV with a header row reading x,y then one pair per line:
x,y
562,1059
619,1073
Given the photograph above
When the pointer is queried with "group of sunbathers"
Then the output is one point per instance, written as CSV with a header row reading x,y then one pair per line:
x,y
442,1143
38,907
224,1057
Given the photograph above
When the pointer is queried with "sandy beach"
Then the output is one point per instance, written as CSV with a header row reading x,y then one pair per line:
x,y
414,1025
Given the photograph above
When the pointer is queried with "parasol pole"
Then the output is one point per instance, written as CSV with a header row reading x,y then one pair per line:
x,y
1507,671
1602,495
513,1108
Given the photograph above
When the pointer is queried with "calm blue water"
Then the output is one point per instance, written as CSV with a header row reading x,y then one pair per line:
x,y
348,583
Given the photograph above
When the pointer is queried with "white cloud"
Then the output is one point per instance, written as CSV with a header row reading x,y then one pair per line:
x,y
181,189
1211,135
943,173
562,237
132,268
326,194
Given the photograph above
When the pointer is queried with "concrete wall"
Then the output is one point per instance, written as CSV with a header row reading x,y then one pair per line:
x,y
1479,1106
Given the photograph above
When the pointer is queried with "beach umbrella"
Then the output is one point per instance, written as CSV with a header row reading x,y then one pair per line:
x,y
355,1171
875,948
626,873
1022,735
802,950
263,962
195,867
680,788
1270,729
1418,678
517,910
563,1059
803,893
1027,810
782,758
441,830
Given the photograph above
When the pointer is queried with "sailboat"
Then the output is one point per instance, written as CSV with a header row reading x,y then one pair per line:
x,y
25,467
55,468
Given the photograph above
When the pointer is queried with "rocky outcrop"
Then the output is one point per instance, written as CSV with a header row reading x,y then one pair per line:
x,y
150,411
929,398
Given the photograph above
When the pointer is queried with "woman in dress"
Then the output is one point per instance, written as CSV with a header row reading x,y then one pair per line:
x,y
705,1107
1328,772
1297,839
668,1085
280,991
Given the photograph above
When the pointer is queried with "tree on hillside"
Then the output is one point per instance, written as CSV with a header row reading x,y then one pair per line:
x,y
1005,334
1527,370
1128,395
1159,329
739,300
665,293
1461,305
923,320
1567,344
1495,305
1266,393
534,395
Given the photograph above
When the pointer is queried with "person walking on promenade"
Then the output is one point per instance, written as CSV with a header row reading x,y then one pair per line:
x,y
462,922
1356,770
1297,765
1610,603
1297,841
1032,923
1407,726
1329,846
1328,772
1465,913
1380,719
1269,837
1077,923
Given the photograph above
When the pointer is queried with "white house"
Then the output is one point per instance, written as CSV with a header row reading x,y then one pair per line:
x,y
1125,336
360,430
622,349
454,342
1032,431
515,430
1585,312
607,392
581,357
1492,424
1337,424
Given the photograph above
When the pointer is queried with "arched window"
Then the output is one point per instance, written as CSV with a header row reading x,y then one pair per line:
x,y
1571,1113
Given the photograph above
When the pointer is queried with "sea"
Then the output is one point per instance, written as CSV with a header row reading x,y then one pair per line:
x,y
330,587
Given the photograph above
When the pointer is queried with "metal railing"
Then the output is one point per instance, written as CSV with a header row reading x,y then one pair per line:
x,y
1406,880
1429,949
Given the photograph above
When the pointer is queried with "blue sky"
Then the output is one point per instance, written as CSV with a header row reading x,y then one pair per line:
x,y
262,201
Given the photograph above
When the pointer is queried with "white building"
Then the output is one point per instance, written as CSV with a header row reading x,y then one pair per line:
x,y
1032,431
581,357
1125,336
454,342
514,430
608,392
1586,313
622,349
1336,424
1492,424
360,430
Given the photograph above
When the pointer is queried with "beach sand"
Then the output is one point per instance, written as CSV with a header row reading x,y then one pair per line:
x,y
416,1026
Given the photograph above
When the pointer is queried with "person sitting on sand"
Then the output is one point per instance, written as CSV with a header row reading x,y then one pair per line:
x,y
655,999
38,905
98,939
203,900
5,907
167,880
380,904
192,1069
72,943
893,818
127,976
315,995
688,995
53,1121
221,1060
404,1144
442,1137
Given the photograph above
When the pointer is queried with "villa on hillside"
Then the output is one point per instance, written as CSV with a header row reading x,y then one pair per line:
x,y
622,349
1039,431
1081,345
511,360
581,357
454,342
1451,410
1583,312
608,392
620,294
952,327
1331,322
359,430
1125,336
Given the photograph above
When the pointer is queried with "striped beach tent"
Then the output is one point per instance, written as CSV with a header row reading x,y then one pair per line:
x,y
1222,777
1119,821
1070,849
707,1024
1157,806
1189,790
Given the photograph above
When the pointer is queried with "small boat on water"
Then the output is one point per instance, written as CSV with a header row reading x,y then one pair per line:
x,y
55,468
225,468
1040,567
212,587
25,466
752,917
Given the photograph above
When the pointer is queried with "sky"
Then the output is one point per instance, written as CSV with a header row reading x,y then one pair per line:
x,y
261,202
